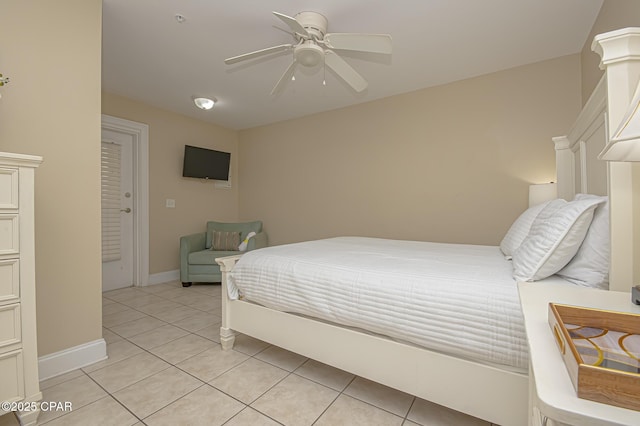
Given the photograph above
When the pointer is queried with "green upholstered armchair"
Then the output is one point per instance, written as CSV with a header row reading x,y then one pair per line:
x,y
197,260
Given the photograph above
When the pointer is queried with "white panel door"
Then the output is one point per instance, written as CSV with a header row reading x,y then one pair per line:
x,y
117,210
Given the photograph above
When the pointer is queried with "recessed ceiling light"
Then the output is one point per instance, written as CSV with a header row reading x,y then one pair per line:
x,y
204,103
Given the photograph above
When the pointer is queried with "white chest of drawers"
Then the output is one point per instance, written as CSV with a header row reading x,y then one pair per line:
x,y
18,344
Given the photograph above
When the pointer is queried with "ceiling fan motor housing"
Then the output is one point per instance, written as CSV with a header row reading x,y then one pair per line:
x,y
314,23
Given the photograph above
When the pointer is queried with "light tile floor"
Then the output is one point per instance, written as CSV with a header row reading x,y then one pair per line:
x,y
166,367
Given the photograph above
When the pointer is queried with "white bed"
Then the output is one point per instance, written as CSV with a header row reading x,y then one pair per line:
x,y
452,298
484,388
371,307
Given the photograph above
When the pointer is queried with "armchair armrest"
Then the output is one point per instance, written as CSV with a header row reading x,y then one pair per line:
x,y
258,241
189,244
193,242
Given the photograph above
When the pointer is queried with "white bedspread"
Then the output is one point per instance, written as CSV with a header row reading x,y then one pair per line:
x,y
456,299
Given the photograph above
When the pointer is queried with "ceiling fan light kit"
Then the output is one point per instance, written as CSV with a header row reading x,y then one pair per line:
x,y
308,54
314,46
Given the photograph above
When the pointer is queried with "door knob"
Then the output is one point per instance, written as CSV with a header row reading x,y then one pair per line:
x,y
127,210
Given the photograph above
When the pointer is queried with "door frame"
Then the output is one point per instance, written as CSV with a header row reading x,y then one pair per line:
x,y
139,132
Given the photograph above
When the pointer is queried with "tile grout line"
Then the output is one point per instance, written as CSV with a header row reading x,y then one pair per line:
x,y
254,357
205,383
406,417
202,382
165,406
110,394
289,373
144,378
177,367
332,402
114,398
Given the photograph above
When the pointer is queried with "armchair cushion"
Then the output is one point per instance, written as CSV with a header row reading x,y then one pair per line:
x,y
208,257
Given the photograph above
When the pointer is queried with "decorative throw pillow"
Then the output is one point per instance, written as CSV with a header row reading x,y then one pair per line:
x,y
519,230
590,266
555,237
225,240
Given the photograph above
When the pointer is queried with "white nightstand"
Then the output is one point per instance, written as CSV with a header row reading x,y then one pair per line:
x,y
552,397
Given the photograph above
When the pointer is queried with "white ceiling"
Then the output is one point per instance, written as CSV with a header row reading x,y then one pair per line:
x,y
150,57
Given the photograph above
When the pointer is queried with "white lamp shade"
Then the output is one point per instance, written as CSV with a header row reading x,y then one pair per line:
x,y
624,145
539,193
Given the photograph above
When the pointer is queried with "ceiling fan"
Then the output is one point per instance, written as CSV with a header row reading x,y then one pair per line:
x,y
313,46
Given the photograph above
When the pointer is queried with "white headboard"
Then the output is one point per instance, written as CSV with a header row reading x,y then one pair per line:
x,y
578,168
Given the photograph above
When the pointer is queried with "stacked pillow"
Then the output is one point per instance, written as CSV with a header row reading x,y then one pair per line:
x,y
546,237
519,230
590,266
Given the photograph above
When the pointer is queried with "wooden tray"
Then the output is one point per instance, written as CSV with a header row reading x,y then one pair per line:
x,y
601,350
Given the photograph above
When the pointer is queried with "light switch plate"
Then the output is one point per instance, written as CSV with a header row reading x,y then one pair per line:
x,y
170,203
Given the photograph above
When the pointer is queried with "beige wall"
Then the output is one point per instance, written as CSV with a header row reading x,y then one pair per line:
x,y
51,52
196,200
450,163
615,14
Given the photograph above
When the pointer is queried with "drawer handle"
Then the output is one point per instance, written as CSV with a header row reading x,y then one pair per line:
x,y
559,339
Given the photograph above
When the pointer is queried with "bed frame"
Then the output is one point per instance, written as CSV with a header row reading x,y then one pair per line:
x,y
483,391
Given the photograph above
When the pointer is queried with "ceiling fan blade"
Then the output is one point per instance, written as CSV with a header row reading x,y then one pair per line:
x,y
345,71
258,53
374,43
293,24
286,77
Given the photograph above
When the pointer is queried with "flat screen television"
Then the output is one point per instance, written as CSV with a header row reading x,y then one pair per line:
x,y
205,163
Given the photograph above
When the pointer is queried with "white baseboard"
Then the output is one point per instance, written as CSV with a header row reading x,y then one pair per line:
x,y
164,277
71,359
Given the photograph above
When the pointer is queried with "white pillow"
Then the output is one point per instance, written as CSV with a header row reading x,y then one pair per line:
x,y
519,230
590,266
555,237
